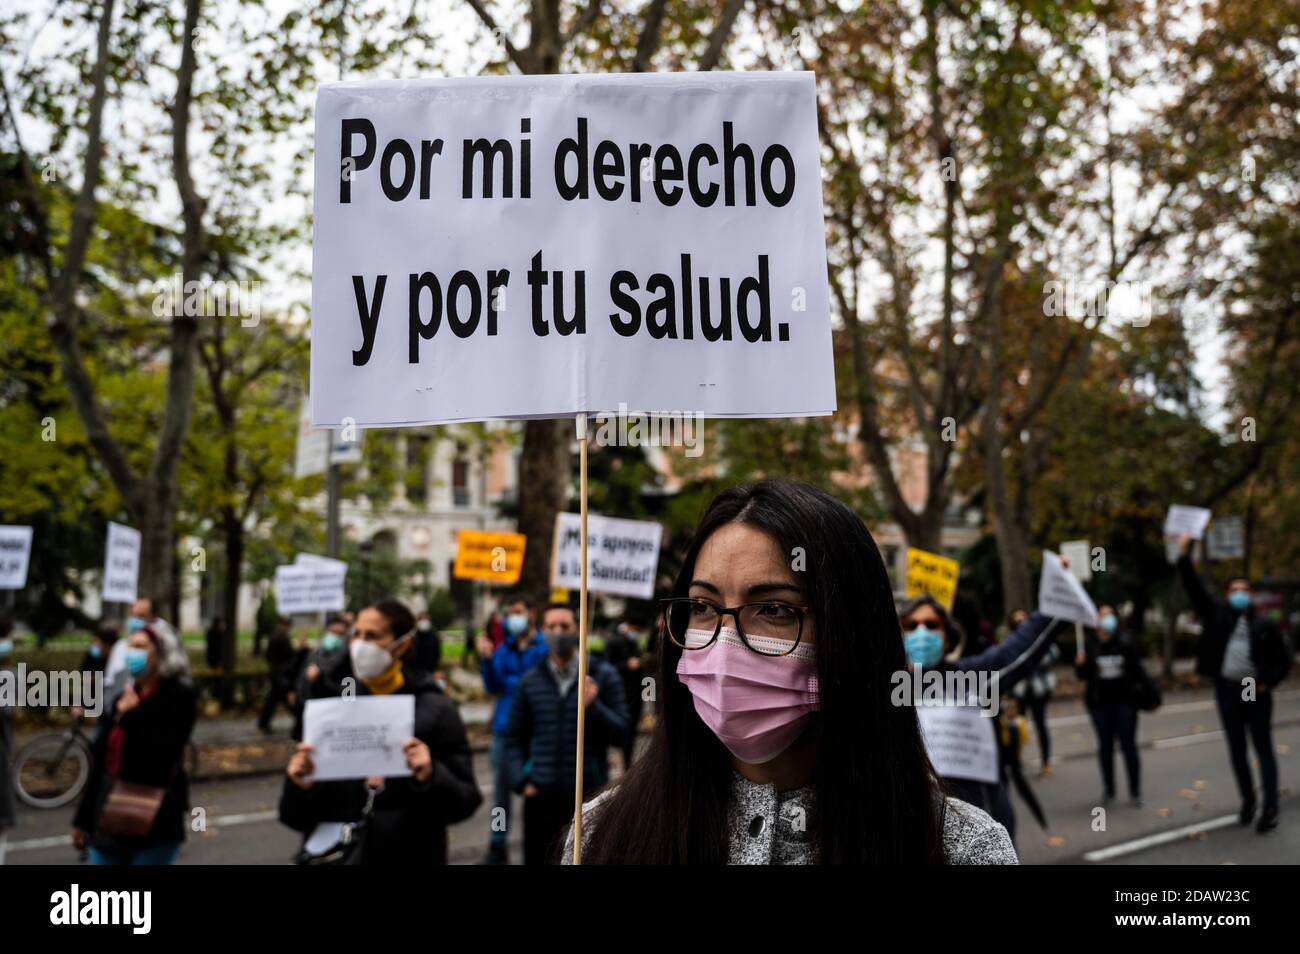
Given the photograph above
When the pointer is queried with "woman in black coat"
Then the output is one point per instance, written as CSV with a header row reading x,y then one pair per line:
x,y
1111,668
142,742
410,813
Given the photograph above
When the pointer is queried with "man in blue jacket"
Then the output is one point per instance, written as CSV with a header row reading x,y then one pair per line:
x,y
501,670
542,734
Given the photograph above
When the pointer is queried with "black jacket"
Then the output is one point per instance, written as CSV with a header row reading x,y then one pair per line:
x,y
1111,671
1269,651
541,738
153,752
409,826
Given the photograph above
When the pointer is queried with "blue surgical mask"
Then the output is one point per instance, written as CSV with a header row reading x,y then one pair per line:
x,y
516,624
135,624
6,648
1109,623
331,642
1239,601
924,646
137,661
96,650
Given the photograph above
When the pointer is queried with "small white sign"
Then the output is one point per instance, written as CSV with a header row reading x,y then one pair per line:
x,y
15,554
960,742
309,588
360,736
1079,555
312,452
1061,595
622,555
1188,520
1226,539
121,564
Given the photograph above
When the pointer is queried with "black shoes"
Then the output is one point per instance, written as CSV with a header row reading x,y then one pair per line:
x,y
1247,812
1267,820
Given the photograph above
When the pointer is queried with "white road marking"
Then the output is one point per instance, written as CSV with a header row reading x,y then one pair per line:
x,y
1162,838
220,821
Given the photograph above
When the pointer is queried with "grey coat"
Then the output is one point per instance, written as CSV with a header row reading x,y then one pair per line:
x,y
767,827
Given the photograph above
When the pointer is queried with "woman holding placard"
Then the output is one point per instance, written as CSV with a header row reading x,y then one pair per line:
x,y
399,820
777,742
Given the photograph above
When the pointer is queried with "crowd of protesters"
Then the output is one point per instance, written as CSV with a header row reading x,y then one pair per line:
x,y
764,747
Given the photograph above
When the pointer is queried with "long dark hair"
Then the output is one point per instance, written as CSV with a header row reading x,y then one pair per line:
x,y
878,801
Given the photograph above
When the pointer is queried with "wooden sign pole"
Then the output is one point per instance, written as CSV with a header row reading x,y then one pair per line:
x,y
581,688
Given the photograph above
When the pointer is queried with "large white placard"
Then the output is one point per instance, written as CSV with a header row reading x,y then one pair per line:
x,y
1061,595
360,736
960,742
622,555
538,246
121,564
1188,520
309,587
15,554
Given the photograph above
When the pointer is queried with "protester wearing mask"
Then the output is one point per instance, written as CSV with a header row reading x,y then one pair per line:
x,y
101,646
542,734
1111,668
7,814
142,615
1245,655
135,808
410,814
501,668
777,740
316,677
934,641
1034,693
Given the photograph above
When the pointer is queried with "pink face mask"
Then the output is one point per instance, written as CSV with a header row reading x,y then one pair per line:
x,y
756,705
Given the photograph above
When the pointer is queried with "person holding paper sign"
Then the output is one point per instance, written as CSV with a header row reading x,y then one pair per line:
x,y
934,641
1111,669
1244,655
777,741
410,815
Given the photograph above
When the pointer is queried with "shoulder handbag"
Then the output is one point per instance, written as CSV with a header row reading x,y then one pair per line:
x,y
1146,694
352,838
130,809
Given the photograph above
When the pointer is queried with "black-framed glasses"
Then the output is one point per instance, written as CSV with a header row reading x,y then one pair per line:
x,y
757,623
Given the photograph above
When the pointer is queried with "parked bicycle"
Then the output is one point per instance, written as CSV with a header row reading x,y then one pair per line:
x,y
52,769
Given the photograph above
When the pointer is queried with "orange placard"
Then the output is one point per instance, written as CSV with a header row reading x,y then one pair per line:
x,y
490,556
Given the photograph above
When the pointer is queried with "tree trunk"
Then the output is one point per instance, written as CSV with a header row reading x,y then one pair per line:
x,y
233,529
543,487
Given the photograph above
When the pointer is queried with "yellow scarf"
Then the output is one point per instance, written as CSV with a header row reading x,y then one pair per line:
x,y
387,682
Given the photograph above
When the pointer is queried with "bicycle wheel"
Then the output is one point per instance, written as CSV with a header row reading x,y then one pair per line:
x,y
51,770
